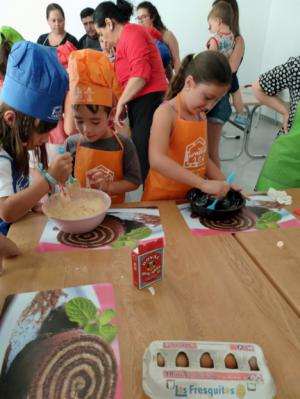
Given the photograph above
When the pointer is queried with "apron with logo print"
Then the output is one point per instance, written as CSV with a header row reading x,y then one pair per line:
x,y
187,147
110,163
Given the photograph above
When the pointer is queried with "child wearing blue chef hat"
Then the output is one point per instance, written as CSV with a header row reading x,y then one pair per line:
x,y
32,96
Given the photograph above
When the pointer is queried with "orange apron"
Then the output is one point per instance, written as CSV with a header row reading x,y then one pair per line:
x,y
109,162
188,147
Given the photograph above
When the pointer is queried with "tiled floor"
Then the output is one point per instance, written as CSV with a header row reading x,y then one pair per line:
x,y
247,169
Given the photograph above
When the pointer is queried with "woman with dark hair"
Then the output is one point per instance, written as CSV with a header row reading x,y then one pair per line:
x,y
56,19
220,114
148,15
139,69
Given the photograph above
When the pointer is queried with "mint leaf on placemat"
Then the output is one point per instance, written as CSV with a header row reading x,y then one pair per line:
x,y
131,239
92,329
81,310
139,233
106,316
268,220
84,312
108,332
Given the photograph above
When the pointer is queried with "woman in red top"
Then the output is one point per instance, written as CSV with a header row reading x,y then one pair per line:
x,y
139,69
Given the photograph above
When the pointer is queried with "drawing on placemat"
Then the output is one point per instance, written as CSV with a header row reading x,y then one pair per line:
x,y
121,227
260,213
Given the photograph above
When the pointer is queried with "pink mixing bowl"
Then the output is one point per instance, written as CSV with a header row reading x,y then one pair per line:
x,y
82,225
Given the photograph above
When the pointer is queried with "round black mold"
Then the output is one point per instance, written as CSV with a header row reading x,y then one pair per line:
x,y
225,208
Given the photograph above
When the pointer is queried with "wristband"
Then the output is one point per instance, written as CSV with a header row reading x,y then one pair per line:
x,y
50,179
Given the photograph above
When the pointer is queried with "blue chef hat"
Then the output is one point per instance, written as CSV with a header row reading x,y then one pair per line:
x,y
35,82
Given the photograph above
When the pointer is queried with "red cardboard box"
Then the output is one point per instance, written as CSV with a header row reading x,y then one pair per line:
x,y
148,263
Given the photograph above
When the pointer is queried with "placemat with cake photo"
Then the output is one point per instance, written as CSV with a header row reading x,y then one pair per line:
x,y
260,213
60,344
121,227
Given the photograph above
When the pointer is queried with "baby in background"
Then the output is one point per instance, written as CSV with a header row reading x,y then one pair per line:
x,y
222,39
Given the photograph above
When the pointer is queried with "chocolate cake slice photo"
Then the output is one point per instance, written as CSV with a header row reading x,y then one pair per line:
x,y
70,356
67,365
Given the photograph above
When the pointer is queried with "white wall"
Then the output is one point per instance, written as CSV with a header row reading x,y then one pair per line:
x,y
282,39
188,20
269,27
283,33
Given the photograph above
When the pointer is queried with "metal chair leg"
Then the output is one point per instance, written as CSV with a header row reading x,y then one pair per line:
x,y
243,129
247,134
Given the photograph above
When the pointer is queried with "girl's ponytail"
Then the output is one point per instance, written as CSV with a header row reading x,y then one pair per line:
x,y
205,67
177,82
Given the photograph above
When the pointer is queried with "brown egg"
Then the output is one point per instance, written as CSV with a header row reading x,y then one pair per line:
x,y
230,361
241,391
160,360
182,360
253,364
206,361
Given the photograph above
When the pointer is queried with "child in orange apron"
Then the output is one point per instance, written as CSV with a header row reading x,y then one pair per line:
x,y
178,151
104,159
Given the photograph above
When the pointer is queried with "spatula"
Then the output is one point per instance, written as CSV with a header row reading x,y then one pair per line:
x,y
229,180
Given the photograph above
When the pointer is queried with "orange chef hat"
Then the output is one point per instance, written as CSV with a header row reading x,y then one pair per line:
x,y
92,78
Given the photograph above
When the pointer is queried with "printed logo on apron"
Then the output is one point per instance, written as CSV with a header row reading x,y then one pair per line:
x,y
195,154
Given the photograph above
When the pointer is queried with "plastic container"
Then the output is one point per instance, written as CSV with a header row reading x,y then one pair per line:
x,y
195,369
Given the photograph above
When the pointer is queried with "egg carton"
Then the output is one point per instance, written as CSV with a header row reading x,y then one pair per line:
x,y
198,369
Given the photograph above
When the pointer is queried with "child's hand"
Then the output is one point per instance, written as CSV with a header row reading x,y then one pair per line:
x,y
7,247
61,167
235,187
217,188
98,180
38,208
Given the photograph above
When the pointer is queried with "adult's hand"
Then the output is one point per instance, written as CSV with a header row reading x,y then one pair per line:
x,y
285,122
133,86
119,115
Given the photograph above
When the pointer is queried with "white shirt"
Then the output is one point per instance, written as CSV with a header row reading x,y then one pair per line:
x,y
6,177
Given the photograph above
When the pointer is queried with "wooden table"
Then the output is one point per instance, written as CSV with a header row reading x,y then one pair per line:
x,y
212,290
281,266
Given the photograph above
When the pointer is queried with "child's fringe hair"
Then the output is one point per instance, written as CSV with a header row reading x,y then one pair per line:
x,y
12,138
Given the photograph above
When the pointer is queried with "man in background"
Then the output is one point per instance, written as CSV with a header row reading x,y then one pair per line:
x,y
90,39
